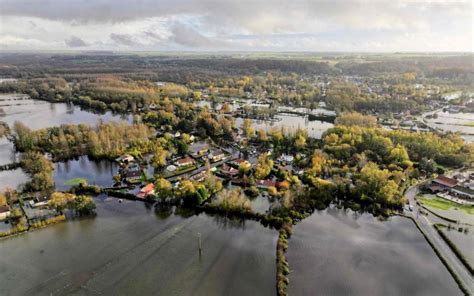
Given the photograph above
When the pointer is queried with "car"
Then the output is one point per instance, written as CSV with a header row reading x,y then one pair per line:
x,y
410,207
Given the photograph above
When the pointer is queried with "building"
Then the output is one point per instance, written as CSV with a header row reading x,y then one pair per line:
x,y
147,190
4,212
126,158
133,176
238,162
216,156
184,162
445,182
265,184
286,158
199,149
199,177
229,171
39,201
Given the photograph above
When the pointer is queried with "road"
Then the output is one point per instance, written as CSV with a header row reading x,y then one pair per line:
x,y
426,224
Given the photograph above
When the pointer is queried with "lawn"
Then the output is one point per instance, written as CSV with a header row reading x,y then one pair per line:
x,y
443,204
75,182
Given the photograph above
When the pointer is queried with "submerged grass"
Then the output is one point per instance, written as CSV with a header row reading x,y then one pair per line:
x,y
443,204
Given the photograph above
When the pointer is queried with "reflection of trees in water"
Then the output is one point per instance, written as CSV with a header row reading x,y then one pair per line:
x,y
224,222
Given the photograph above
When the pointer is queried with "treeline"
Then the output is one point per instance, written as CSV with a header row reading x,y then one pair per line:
x,y
106,140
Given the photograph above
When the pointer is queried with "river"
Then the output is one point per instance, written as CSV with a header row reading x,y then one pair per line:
x,y
337,252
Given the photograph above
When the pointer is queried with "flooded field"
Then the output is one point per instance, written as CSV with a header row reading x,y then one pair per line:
x,y
12,179
454,122
334,252
315,128
128,250
40,114
96,172
463,241
7,152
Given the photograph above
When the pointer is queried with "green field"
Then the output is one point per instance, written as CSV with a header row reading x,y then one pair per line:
x,y
443,204
76,181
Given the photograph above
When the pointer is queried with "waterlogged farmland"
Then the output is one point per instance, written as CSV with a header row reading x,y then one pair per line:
x,y
129,249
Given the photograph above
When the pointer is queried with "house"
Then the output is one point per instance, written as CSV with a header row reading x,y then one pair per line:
x,y
445,182
460,177
184,162
199,149
462,192
229,171
126,158
283,185
147,190
4,212
39,201
133,176
238,162
171,168
286,158
216,156
199,177
265,184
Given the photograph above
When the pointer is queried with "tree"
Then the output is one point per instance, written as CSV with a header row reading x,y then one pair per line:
x,y
159,157
61,200
264,166
163,188
355,118
247,127
84,205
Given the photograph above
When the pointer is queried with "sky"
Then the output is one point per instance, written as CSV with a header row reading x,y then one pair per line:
x,y
238,25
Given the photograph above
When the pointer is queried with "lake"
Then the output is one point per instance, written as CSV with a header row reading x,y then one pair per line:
x,y
337,252
40,114
128,250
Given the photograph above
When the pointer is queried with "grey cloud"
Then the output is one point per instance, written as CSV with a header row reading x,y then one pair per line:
x,y
74,41
123,39
187,36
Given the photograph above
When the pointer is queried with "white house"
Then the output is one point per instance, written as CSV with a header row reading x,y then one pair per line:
x,y
4,212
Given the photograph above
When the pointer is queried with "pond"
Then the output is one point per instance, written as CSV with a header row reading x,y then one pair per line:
x,y
40,114
128,250
96,172
337,252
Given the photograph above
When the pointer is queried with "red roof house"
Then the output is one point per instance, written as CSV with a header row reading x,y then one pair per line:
x,y
445,181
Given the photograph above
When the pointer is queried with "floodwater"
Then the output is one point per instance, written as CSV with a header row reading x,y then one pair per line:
x,y
7,152
454,122
337,252
464,241
291,123
128,250
40,114
96,172
12,179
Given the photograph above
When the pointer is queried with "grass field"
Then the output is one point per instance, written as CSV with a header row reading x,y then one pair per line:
x,y
75,181
443,204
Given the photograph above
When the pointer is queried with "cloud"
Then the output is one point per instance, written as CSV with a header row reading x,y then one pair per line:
x,y
187,36
261,24
74,41
123,39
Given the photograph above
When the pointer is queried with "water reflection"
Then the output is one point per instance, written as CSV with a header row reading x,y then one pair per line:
x,y
40,114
